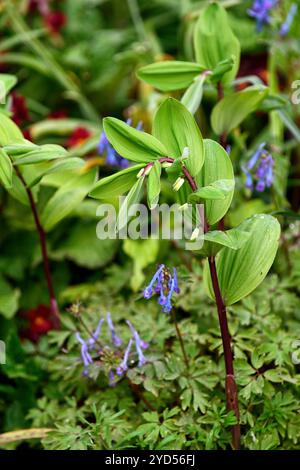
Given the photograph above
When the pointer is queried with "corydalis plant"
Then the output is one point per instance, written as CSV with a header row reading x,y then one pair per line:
x,y
236,260
108,355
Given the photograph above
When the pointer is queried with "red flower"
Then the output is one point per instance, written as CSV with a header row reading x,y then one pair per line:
x,y
55,21
78,137
19,109
39,320
58,114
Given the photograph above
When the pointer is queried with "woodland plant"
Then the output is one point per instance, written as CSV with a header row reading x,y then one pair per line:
x,y
111,365
237,260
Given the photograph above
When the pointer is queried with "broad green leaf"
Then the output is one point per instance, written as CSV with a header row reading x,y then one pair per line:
x,y
132,144
170,75
20,149
82,246
9,131
217,190
153,185
41,154
233,109
220,70
217,166
8,299
215,42
7,82
241,271
6,169
143,253
215,240
132,197
193,96
116,184
176,127
61,165
66,199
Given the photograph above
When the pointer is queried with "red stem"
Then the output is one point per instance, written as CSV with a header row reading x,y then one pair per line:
x,y
42,236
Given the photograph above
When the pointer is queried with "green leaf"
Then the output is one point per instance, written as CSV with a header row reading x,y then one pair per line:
x,y
6,170
170,75
193,96
153,185
66,199
41,154
8,299
233,109
220,70
132,197
7,82
132,144
9,131
175,126
217,190
217,167
61,165
116,184
215,42
143,253
83,247
233,239
241,271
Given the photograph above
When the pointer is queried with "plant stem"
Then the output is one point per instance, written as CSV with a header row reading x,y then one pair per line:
x,y
42,237
230,384
185,357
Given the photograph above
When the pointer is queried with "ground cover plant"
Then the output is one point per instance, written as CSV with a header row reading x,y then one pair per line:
x,y
115,333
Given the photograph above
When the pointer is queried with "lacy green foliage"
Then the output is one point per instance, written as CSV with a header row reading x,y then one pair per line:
x,y
187,410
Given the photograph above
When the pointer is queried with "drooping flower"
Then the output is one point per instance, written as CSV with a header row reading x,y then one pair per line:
x,y
165,284
262,162
123,367
260,10
114,337
113,158
286,26
88,345
139,345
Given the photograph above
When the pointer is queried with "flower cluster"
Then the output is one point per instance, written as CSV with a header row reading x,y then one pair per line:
x,y
112,156
165,284
263,161
93,344
260,10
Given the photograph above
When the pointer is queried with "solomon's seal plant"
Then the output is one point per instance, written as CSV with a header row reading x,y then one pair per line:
x,y
201,172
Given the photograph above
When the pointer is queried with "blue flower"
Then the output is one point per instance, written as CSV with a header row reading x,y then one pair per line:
x,y
286,26
260,10
139,345
164,284
113,158
87,345
263,161
114,337
123,367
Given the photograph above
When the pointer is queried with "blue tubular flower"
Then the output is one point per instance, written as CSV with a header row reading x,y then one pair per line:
x,y
85,355
139,344
164,284
113,158
156,278
260,10
114,337
123,367
263,161
286,26
87,345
